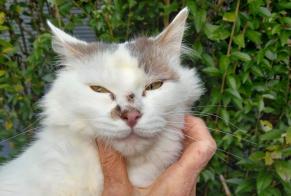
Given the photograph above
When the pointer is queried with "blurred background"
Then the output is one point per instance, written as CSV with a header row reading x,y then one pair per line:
x,y
240,48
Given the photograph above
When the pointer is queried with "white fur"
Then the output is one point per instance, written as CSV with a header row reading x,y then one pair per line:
x,y
63,160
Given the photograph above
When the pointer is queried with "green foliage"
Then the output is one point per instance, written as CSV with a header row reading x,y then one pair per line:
x,y
241,49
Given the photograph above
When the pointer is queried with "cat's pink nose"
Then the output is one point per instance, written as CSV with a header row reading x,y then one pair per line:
x,y
131,117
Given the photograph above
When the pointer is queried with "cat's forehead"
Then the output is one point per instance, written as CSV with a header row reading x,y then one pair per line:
x,y
125,66
139,55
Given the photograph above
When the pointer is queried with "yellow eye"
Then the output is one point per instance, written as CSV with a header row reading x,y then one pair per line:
x,y
154,85
99,89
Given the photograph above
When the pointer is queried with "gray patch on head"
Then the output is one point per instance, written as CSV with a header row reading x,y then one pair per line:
x,y
151,58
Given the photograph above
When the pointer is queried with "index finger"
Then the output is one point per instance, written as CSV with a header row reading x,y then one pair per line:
x,y
196,129
113,164
200,144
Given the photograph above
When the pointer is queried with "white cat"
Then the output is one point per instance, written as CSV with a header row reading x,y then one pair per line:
x,y
131,95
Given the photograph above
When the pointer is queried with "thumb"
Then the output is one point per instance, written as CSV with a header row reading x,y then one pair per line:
x,y
114,171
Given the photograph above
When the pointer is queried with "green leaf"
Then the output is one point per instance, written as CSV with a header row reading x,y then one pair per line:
x,y
286,20
199,15
240,40
264,11
195,54
257,156
264,180
268,159
208,175
225,116
3,28
215,32
283,169
212,71
2,18
208,60
241,55
224,62
200,19
229,16
285,5
254,36
234,181
284,36
287,187
271,135
2,72
234,93
276,29
244,187
257,71
231,81
269,96
271,55
261,105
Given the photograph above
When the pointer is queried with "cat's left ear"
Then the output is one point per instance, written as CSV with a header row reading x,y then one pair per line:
x,y
171,37
65,44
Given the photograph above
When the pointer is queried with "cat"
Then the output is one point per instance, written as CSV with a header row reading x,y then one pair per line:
x,y
131,95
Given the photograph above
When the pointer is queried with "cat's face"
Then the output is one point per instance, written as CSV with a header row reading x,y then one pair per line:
x,y
126,93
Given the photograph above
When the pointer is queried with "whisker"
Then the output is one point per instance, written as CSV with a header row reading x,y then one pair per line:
x,y
12,137
233,135
26,130
203,106
206,115
229,153
217,130
219,149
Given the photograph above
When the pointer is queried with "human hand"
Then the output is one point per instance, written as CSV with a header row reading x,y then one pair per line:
x,y
179,179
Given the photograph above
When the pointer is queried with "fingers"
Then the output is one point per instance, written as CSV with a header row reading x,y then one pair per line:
x,y
200,145
180,178
114,171
196,128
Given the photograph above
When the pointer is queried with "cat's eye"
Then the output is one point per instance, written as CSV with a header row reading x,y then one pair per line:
x,y
154,85
99,89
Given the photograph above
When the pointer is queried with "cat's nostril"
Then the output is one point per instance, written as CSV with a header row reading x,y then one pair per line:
x,y
131,117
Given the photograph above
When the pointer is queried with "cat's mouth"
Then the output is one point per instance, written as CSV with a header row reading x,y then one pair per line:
x,y
131,137
136,134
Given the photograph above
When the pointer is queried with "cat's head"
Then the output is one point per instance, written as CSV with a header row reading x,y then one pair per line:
x,y
123,93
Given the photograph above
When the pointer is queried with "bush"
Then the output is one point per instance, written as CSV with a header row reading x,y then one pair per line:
x,y
241,49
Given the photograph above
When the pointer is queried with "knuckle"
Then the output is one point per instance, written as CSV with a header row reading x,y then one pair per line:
x,y
198,120
211,146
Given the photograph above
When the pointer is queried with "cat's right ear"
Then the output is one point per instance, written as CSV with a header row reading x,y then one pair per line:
x,y
170,39
65,44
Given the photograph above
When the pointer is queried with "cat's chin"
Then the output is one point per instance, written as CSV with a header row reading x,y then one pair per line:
x,y
134,144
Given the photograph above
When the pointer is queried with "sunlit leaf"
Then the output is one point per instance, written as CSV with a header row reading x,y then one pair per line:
x,y
229,16
283,169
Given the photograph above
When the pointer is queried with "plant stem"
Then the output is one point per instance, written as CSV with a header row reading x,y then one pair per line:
x,y
228,52
225,187
166,15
